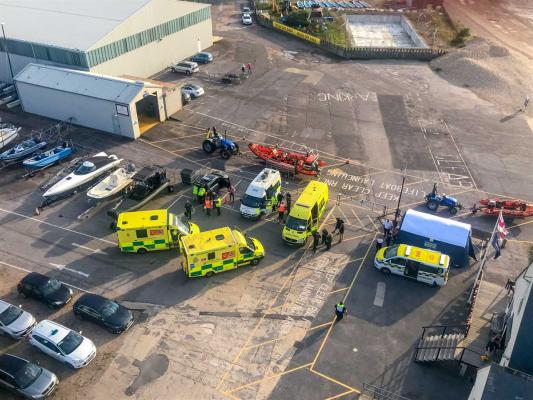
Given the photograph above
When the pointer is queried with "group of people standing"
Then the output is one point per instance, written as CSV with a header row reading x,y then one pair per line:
x,y
389,233
326,238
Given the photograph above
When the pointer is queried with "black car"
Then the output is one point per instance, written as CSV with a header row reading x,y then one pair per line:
x,y
50,291
25,378
213,181
105,312
232,79
147,180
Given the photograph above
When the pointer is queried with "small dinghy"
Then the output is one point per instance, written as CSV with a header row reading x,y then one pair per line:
x,y
113,185
48,158
22,150
8,133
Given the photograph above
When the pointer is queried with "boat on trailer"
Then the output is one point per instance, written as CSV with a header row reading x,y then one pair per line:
x,y
307,163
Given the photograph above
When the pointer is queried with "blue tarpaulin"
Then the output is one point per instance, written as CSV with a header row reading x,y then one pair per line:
x,y
441,234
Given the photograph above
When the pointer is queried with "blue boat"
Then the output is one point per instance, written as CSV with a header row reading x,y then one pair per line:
x,y
323,4
349,5
50,157
357,4
307,4
300,4
22,150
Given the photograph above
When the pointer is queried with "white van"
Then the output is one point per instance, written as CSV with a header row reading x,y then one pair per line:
x,y
261,196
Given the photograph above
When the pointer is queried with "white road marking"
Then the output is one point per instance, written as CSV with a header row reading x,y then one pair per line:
x,y
380,294
57,226
88,248
28,271
64,268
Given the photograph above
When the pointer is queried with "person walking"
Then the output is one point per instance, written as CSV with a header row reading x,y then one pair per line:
x,y
338,223
281,212
201,195
387,226
316,240
280,197
379,243
325,233
243,69
208,205
340,310
526,103
218,204
188,209
232,194
195,193
288,200
341,231
388,239
329,240
249,68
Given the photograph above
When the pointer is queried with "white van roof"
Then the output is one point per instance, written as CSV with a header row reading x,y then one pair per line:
x,y
266,178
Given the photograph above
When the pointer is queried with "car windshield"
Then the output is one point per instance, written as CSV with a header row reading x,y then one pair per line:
x,y
9,315
27,375
51,286
391,251
250,243
193,87
183,227
296,223
70,342
252,201
110,307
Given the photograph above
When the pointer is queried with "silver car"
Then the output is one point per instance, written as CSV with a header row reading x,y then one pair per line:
x,y
26,378
14,321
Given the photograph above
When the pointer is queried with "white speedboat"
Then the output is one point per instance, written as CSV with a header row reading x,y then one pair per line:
x,y
113,185
8,133
86,174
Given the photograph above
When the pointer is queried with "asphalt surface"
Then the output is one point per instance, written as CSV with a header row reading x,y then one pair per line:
x,y
266,332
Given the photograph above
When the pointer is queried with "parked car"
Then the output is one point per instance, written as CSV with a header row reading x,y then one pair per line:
x,y
246,10
105,312
14,321
247,19
63,344
193,90
186,67
25,378
213,181
185,97
203,57
231,78
50,291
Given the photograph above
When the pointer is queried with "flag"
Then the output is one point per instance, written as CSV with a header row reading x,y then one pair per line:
x,y
501,227
496,245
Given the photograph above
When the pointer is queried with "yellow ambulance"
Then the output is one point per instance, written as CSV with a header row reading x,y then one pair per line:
x,y
306,213
423,265
222,249
142,231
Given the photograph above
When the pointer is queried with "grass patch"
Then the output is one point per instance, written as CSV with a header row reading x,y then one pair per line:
x,y
335,32
434,26
263,6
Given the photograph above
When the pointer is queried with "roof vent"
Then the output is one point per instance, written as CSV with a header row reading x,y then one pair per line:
x,y
408,250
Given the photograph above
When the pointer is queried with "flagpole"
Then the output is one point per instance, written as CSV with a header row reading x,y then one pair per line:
x,y
484,259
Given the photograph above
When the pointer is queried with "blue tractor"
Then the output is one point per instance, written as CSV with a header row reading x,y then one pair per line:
x,y
213,141
434,200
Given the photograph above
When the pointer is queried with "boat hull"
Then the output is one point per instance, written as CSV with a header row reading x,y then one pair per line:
x,y
39,163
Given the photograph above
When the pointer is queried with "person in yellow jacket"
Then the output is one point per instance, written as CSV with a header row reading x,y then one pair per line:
x,y
201,194
218,203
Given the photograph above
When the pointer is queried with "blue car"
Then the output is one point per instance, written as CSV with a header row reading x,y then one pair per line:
x,y
204,57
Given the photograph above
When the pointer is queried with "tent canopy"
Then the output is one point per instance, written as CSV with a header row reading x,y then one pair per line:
x,y
436,228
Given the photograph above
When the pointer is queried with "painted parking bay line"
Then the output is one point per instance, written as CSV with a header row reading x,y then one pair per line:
x,y
380,294
64,268
88,248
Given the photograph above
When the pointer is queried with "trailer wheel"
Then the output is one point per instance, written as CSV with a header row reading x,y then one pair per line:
x,y
208,146
432,205
142,250
209,274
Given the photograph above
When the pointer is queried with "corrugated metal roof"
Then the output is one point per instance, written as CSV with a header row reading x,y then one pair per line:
x,y
80,82
72,24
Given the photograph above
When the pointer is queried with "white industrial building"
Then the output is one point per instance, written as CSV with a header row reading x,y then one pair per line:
x,y
112,37
120,106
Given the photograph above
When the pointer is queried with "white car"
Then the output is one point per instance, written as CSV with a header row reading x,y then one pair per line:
x,y
187,67
247,19
63,344
14,321
246,10
193,90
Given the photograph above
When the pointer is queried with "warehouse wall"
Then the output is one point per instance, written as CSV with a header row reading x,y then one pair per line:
x,y
85,111
154,57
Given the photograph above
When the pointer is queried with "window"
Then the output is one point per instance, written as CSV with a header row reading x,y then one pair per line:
x,y
398,261
211,256
141,233
245,250
427,268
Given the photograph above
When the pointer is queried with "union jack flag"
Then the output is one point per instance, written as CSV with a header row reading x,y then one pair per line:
x,y
501,227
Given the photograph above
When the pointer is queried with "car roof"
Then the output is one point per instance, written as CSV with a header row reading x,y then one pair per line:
x,y
92,300
35,278
11,364
4,306
51,330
